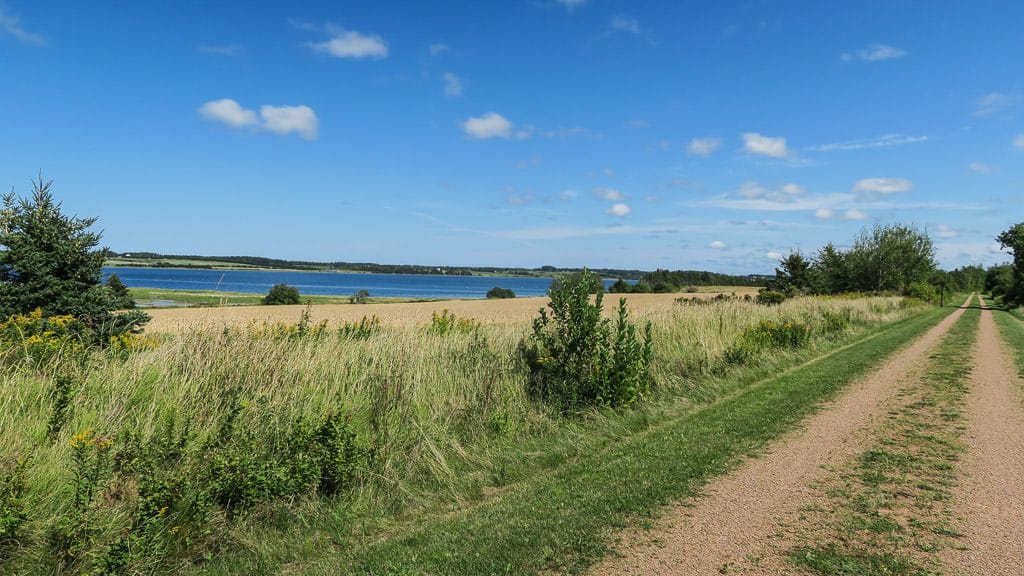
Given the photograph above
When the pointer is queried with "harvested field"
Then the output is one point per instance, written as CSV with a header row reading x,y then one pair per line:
x,y
398,314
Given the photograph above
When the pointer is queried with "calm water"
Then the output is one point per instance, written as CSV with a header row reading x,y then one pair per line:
x,y
328,283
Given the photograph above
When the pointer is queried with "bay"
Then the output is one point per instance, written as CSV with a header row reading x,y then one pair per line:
x,y
328,283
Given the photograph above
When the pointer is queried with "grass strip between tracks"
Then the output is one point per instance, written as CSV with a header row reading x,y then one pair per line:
x,y
564,521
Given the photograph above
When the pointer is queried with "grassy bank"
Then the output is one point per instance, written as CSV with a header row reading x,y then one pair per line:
x,y
147,297
254,449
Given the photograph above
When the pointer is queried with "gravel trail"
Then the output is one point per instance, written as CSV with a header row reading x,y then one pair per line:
x,y
738,513
990,499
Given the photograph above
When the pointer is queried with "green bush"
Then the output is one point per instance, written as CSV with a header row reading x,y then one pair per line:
x,y
447,322
575,357
922,291
771,297
360,297
499,292
282,294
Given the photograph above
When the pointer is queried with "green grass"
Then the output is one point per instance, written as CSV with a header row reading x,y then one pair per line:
x,y
146,296
563,520
888,512
1011,327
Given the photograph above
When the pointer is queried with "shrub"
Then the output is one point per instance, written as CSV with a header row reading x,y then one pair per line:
x,y
447,322
41,340
592,281
576,359
771,297
767,335
121,298
498,292
922,291
282,294
360,297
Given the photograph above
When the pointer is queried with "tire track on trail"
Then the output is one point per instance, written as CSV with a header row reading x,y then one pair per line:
x,y
990,499
739,512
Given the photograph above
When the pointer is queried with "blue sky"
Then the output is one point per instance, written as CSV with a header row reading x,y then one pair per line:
x,y
711,135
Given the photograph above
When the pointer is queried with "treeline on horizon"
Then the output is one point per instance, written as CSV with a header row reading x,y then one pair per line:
x,y
659,278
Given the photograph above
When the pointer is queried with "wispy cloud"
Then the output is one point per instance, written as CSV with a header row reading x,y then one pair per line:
x,y
452,85
883,186
1019,141
571,5
350,44
980,168
572,132
995,102
220,50
624,24
281,120
609,194
437,48
703,146
638,123
755,143
11,25
883,141
874,53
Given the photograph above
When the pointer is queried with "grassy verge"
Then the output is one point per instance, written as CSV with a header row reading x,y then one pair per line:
x,y
1011,327
888,511
562,520
147,296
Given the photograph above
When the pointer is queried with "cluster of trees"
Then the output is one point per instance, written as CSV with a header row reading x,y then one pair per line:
x,y
1007,281
664,281
52,262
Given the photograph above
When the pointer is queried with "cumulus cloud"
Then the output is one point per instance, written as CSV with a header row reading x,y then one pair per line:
x,y
785,193
830,214
11,25
351,45
703,146
755,143
994,103
436,49
874,53
452,85
824,213
619,210
982,168
282,120
625,24
854,214
228,111
883,185
944,231
773,254
1019,141
793,189
717,245
609,194
490,125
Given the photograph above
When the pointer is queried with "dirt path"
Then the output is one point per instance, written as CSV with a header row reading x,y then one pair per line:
x,y
739,512
991,497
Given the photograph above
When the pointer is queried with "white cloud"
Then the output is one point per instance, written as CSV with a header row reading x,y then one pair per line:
x,y
994,103
11,25
793,189
436,49
854,214
773,254
567,195
281,120
284,120
884,141
452,85
717,245
220,50
571,5
883,185
703,146
625,24
1019,141
874,53
228,111
823,213
352,45
755,143
982,168
609,194
490,125
944,231
619,210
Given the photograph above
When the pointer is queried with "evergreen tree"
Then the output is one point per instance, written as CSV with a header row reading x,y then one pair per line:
x,y
52,262
122,298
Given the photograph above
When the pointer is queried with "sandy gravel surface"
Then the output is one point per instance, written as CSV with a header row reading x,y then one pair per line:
x,y
409,313
990,501
739,513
